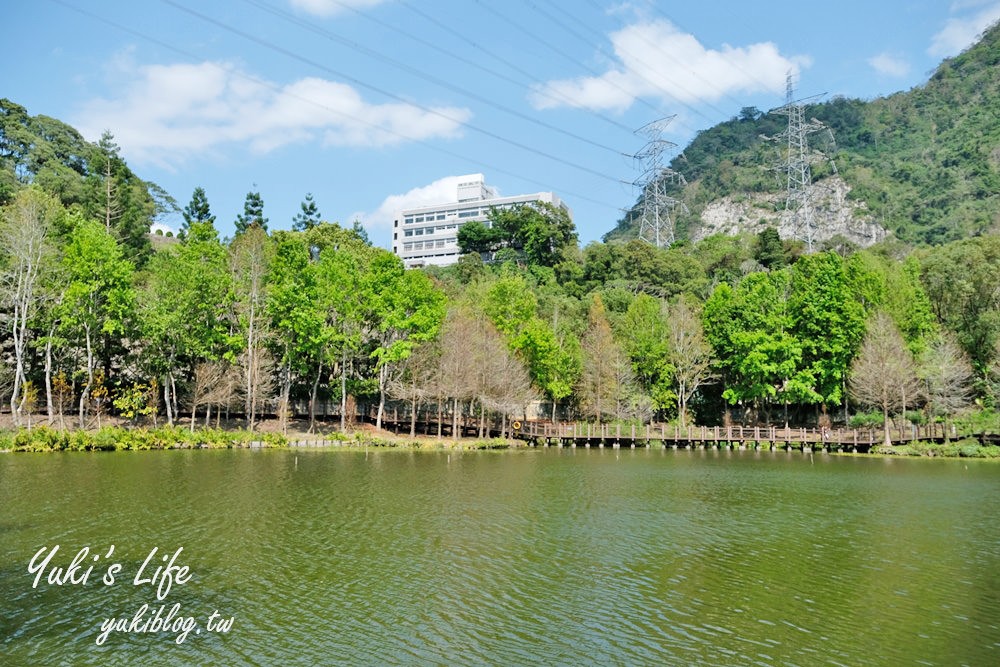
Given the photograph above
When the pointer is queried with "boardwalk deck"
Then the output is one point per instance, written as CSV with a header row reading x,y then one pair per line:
x,y
740,437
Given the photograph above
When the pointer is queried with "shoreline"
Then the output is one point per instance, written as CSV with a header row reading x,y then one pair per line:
x,y
44,439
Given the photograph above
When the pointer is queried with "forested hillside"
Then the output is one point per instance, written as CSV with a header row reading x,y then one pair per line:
x,y
925,162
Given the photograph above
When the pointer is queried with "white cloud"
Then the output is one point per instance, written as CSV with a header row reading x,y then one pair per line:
x,y
166,114
960,33
656,59
379,221
331,7
889,65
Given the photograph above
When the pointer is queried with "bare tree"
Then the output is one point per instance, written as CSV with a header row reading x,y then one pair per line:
x,y
690,353
884,371
215,382
454,373
507,389
946,376
414,380
248,262
605,381
25,226
257,370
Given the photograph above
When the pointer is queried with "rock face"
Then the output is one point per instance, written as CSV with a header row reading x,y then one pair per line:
x,y
833,214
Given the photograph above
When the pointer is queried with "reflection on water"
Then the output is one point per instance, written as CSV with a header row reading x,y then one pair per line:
x,y
541,557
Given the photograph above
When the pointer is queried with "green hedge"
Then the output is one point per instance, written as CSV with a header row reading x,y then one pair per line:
x,y
45,439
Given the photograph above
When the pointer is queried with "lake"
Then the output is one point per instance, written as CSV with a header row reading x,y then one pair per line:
x,y
549,556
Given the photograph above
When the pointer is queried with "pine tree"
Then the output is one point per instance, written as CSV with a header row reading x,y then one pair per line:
x,y
197,211
309,217
253,213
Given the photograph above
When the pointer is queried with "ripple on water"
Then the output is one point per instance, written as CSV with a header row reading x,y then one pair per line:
x,y
555,557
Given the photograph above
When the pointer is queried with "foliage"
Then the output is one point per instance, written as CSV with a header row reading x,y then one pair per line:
x,y
253,213
308,217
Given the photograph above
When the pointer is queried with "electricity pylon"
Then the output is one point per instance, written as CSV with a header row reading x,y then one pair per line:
x,y
796,164
656,222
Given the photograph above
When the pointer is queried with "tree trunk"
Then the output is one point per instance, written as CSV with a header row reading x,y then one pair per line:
x,y
885,425
48,376
413,415
312,397
439,417
85,394
381,397
343,390
167,402
454,418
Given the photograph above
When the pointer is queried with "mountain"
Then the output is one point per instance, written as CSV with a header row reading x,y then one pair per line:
x,y
921,165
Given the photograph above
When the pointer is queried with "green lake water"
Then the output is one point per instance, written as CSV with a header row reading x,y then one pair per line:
x,y
547,557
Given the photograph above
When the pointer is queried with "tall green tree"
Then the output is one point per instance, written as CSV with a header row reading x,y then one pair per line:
x,y
296,312
404,309
99,299
197,210
184,311
827,320
308,217
253,213
644,332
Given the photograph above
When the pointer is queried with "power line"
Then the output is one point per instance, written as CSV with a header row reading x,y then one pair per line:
x,y
575,61
604,53
424,75
528,76
290,54
337,112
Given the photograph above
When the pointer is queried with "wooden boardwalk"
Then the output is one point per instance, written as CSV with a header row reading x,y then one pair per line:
x,y
738,437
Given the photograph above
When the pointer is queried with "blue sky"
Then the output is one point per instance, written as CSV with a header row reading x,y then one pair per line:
x,y
372,105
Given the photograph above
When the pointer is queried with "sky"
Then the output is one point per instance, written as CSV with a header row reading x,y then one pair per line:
x,y
377,105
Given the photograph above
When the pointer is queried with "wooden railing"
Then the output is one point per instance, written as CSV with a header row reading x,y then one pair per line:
x,y
673,434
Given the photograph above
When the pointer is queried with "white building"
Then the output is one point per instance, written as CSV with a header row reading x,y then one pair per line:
x,y
428,235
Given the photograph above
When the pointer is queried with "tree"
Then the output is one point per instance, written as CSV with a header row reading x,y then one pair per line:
x,y
26,225
197,210
769,250
253,213
689,353
946,376
827,320
478,238
296,313
759,357
99,297
403,308
605,381
539,231
308,217
644,333
250,255
344,296
553,361
185,310
884,371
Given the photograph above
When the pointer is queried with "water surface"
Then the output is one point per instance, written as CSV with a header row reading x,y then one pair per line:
x,y
541,557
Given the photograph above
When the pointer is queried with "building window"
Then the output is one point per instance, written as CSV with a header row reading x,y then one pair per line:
x,y
408,232
469,214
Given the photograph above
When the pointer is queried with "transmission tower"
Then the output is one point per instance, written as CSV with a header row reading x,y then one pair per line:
x,y
656,222
796,164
